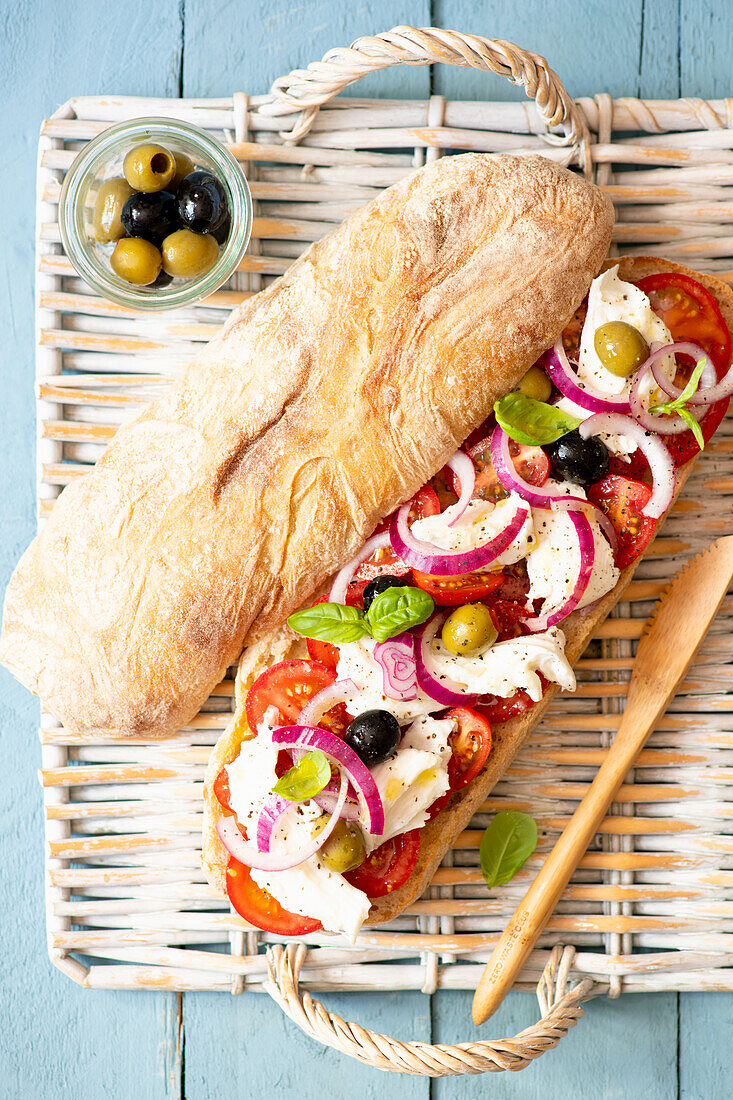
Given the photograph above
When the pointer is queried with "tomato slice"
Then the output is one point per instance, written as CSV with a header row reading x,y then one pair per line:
x,y
260,908
288,686
622,499
424,503
691,313
508,616
531,463
323,652
464,588
495,709
389,866
470,743
221,790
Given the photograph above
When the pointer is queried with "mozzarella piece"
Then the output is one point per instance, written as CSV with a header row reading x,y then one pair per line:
x,y
508,666
612,299
357,663
481,522
411,781
554,565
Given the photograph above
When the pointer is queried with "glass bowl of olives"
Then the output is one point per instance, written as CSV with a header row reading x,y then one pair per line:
x,y
155,214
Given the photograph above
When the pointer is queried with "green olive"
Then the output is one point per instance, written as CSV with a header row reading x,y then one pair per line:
x,y
111,197
184,165
469,630
620,347
186,254
345,849
536,384
136,260
149,167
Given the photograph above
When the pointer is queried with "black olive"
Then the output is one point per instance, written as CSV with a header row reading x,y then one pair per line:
x,y
379,585
202,203
152,215
374,736
579,460
221,235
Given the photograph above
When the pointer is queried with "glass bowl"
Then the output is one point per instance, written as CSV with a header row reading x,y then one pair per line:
x,y
101,159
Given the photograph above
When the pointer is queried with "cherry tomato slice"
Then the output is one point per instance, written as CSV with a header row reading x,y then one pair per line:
x,y
389,866
260,908
495,709
464,588
531,463
470,744
221,790
424,503
288,686
508,616
622,499
691,313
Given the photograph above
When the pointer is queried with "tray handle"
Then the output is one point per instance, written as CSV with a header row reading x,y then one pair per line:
x,y
560,1008
305,90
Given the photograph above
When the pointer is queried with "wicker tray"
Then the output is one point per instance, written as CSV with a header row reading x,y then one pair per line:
x,y
651,906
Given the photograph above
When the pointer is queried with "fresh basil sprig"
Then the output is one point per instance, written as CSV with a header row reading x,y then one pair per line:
x,y
531,422
305,779
506,846
679,404
390,613
397,609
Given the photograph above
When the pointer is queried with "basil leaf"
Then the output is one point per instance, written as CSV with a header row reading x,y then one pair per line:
x,y
506,846
398,609
694,427
330,622
305,779
532,422
679,404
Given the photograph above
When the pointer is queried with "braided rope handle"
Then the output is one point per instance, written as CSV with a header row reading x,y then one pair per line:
x,y
306,90
560,1009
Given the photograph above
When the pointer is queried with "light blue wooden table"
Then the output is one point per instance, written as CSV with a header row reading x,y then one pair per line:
x,y
57,1040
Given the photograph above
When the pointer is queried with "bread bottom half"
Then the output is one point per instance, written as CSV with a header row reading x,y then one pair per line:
x,y
440,834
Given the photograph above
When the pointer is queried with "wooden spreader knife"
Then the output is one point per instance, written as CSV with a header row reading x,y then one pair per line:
x,y
673,634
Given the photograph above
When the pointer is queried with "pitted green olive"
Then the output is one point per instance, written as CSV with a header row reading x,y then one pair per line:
x,y
111,197
184,165
469,630
620,347
535,384
136,260
345,849
149,167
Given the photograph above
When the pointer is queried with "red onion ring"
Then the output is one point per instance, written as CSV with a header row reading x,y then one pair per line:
x,y
270,814
465,471
250,855
338,692
443,690
396,658
561,374
328,797
587,548
428,558
651,446
709,391
663,425
341,580
579,504
535,495
311,737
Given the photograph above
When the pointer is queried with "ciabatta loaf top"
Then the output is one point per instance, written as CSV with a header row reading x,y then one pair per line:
x,y
324,402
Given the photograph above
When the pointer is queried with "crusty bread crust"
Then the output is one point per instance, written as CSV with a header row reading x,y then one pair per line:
x,y
326,401
439,835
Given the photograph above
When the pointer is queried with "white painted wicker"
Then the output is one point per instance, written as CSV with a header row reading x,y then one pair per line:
x,y
123,884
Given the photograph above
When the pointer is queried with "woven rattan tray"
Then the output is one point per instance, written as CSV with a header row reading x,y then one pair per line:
x,y
651,906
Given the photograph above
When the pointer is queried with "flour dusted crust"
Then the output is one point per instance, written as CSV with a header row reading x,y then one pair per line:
x,y
439,835
325,401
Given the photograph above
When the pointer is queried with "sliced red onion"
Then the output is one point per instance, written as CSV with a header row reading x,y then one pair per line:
x,y
311,737
437,685
428,558
250,855
558,368
664,425
338,692
536,495
270,814
652,447
579,504
587,546
396,658
328,798
343,577
709,391
465,471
